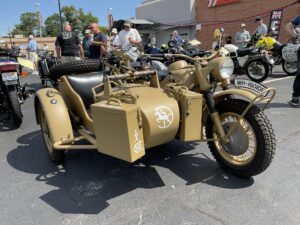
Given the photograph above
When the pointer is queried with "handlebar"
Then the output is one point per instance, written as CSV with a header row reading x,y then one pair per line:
x,y
132,75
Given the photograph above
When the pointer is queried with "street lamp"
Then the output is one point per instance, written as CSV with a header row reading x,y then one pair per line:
x,y
61,23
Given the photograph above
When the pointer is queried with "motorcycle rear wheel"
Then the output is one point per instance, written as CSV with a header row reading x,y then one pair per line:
x,y
15,107
252,143
290,68
54,155
258,70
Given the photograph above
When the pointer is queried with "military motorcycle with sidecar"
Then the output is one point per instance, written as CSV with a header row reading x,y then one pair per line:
x,y
123,118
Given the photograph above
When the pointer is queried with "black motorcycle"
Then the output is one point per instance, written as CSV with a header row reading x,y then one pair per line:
x,y
12,93
46,61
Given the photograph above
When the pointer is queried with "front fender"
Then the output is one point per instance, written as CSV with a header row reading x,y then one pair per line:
x,y
56,112
244,93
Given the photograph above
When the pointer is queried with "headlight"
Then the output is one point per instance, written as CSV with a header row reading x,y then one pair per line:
x,y
221,67
226,68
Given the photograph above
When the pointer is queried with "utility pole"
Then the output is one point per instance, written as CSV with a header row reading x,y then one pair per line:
x,y
61,23
9,34
39,18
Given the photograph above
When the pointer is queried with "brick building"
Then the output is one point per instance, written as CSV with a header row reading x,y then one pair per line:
x,y
229,16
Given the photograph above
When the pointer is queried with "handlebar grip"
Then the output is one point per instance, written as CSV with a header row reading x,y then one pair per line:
x,y
157,55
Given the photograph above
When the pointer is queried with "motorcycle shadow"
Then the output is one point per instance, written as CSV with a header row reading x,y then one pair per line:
x,y
88,180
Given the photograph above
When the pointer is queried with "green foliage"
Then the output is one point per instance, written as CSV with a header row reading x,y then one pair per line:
x,y
53,25
78,19
103,29
27,25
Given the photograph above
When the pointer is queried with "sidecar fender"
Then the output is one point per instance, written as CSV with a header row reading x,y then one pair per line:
x,y
56,113
238,92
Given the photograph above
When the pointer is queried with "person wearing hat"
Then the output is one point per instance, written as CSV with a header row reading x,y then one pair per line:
x,y
129,38
261,28
86,41
99,42
32,48
114,38
242,37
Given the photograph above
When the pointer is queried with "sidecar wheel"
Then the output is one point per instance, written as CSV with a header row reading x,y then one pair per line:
x,y
54,155
290,68
258,70
251,145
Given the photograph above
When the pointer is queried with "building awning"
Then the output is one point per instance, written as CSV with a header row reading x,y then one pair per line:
x,y
141,22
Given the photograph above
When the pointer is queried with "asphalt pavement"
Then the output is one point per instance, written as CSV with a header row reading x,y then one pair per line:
x,y
177,183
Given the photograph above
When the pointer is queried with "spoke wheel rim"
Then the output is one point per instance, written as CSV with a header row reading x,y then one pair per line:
x,y
46,133
243,130
256,70
291,67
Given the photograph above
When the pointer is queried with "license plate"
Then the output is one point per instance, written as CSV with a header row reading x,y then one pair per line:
x,y
241,83
11,76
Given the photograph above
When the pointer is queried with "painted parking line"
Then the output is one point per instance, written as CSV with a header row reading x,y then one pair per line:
x,y
278,79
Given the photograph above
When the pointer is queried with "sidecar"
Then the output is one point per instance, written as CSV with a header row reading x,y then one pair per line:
x,y
118,120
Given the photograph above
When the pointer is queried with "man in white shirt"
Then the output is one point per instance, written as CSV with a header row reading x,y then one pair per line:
x,y
129,37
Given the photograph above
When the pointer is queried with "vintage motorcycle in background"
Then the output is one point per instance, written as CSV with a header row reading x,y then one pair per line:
x,y
285,54
12,93
255,62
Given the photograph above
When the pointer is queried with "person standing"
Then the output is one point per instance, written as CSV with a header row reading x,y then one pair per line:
x,y
114,38
32,48
130,40
242,37
176,37
261,27
68,46
15,49
129,37
46,47
98,44
290,28
86,43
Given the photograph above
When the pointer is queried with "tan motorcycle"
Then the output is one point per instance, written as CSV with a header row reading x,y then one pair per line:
x,y
121,114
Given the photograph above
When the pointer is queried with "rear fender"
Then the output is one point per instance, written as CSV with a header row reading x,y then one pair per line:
x,y
56,112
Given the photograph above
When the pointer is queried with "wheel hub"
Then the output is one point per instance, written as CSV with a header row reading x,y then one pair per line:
x,y
237,144
257,70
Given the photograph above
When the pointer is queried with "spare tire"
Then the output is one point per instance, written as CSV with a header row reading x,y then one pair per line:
x,y
76,67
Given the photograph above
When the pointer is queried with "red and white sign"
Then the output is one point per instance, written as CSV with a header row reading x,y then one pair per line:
x,y
215,3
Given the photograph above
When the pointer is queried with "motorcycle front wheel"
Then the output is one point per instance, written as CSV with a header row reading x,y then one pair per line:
x,y
290,68
251,145
15,107
258,70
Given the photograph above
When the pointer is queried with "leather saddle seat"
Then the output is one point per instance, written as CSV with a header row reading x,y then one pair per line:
x,y
82,84
244,52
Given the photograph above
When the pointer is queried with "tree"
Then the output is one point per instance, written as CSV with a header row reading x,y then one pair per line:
x,y
52,24
76,17
28,23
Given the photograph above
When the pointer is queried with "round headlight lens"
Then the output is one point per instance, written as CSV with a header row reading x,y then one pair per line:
x,y
226,68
